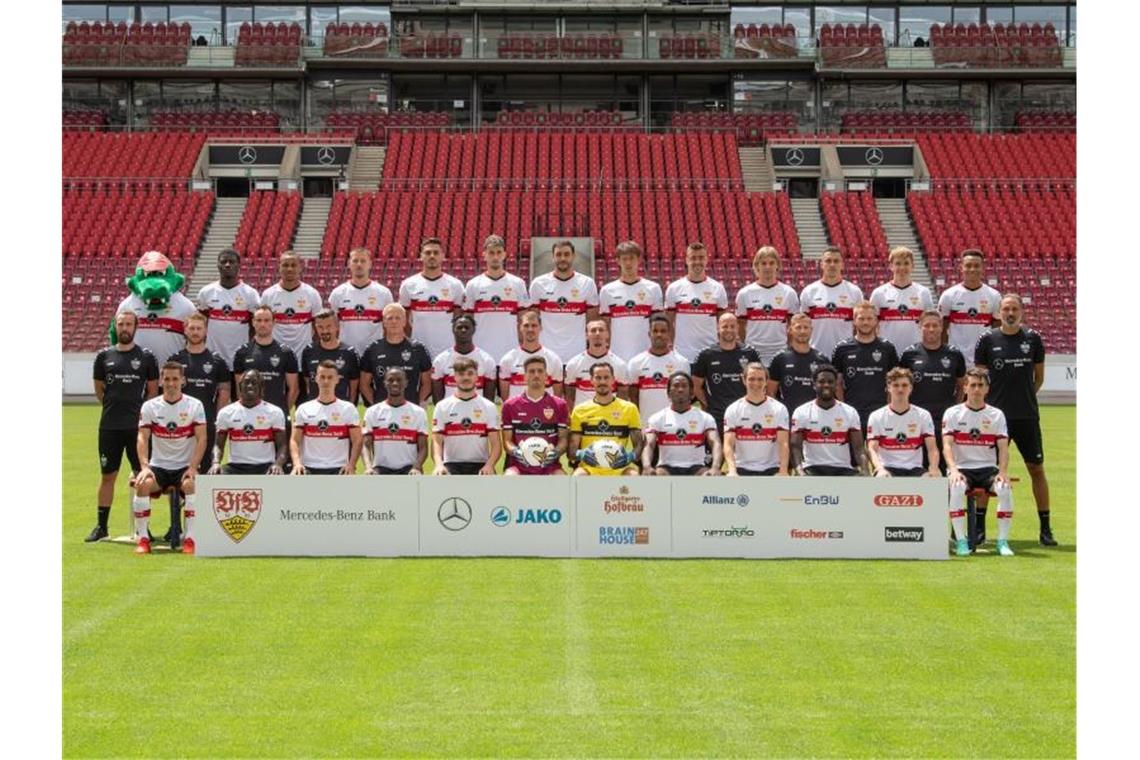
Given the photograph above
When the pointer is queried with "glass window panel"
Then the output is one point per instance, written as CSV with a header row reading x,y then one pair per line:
x,y
80,93
320,16
915,22
117,13
328,95
1072,26
276,13
188,95
1049,96
235,17
885,18
999,15
147,97
967,15
1007,101
205,21
834,103
876,95
287,102
156,14
839,14
1040,14
113,99
88,13
365,14
767,14
245,94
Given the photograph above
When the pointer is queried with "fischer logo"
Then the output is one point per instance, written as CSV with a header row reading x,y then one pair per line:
x,y
912,535
815,535
898,500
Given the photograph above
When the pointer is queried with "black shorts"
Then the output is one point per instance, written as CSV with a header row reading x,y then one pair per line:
x,y
168,478
322,471
112,444
757,473
392,470
237,468
1026,434
864,416
981,478
690,470
906,472
207,462
463,468
828,469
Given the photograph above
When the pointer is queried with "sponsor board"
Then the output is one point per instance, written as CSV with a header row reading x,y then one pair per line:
x,y
623,517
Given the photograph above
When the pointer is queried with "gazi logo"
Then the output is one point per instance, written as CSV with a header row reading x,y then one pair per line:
x,y
501,516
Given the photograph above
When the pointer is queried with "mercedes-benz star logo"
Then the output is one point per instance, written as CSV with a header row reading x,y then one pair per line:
x,y
454,513
326,155
874,156
247,154
794,157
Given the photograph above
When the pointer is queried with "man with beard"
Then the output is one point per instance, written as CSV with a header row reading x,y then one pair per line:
x,y
718,372
826,436
255,430
567,300
207,377
329,347
682,432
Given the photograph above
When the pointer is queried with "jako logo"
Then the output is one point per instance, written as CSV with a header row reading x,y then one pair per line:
x,y
821,501
811,533
913,535
500,516
898,500
623,535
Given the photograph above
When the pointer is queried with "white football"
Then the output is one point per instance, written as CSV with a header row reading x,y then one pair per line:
x,y
606,451
534,450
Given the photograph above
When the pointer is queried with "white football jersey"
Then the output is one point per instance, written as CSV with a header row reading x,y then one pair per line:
x,y
766,310
251,431
755,427
681,435
230,311
293,312
826,433
628,306
578,374
325,427
172,430
430,303
831,310
162,331
696,305
971,313
465,424
650,373
975,435
496,303
564,304
900,310
360,312
901,437
442,368
511,368
395,432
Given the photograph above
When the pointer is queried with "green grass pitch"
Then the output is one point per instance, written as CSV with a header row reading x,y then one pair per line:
x,y
172,656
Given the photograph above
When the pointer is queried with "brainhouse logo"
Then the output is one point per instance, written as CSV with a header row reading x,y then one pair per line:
x,y
608,534
912,535
623,502
898,500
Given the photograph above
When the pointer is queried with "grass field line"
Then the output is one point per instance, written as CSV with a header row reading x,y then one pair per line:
x,y
581,696
115,609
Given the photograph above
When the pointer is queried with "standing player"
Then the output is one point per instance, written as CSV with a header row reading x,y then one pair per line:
x,y
171,444
125,375
496,298
359,303
293,303
330,347
791,371
718,372
606,416
694,302
465,428
394,349
276,363
763,307
535,413
627,303
826,436
1015,358
682,432
207,377
512,375
970,308
900,302
255,430
567,300
326,431
431,296
161,328
579,387
229,303
975,442
898,433
863,362
756,429
649,371
395,431
938,370
829,301
443,368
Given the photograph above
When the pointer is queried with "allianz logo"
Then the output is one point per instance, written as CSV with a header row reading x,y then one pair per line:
x,y
741,500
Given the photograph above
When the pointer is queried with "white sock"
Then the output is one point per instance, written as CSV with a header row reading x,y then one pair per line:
x,y
1004,511
142,515
958,510
188,513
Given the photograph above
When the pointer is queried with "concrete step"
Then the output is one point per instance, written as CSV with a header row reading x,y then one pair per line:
x,y
221,231
809,226
311,227
755,169
900,230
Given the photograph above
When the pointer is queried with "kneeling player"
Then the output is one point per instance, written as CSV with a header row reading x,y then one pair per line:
x,y
176,425
605,417
756,429
256,432
395,431
682,433
326,431
535,413
898,432
974,440
826,436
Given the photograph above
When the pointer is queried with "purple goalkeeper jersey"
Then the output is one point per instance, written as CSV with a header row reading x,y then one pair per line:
x,y
543,418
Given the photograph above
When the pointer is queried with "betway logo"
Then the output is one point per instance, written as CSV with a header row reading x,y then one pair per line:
x,y
898,500
913,535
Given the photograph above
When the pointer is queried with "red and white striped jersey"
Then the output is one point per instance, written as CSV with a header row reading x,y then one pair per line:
x,y
496,303
826,433
830,308
293,312
360,311
578,374
395,431
696,306
901,437
430,303
755,427
171,428
443,368
900,310
251,430
628,305
325,427
971,314
681,435
766,309
162,331
975,434
465,424
564,304
230,311
650,373
511,368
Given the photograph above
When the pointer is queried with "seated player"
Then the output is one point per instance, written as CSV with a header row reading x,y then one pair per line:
x,y
535,413
171,444
682,433
326,431
898,432
606,416
256,432
756,429
395,431
975,442
826,436
465,427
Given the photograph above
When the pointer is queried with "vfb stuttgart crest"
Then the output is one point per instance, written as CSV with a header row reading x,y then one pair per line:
x,y
237,510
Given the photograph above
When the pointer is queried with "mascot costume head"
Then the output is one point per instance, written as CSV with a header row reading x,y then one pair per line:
x,y
154,281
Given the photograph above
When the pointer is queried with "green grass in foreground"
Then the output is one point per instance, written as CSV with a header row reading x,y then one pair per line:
x,y
174,656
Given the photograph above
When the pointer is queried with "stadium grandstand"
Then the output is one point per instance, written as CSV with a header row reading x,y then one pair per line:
x,y
321,126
